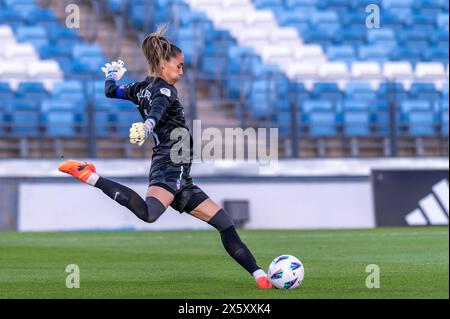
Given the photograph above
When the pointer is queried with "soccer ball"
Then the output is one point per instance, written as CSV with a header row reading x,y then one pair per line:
x,y
286,272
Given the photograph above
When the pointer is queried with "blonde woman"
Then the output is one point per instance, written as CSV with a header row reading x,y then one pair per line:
x,y
170,182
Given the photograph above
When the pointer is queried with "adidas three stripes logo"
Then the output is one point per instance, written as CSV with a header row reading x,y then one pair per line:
x,y
433,209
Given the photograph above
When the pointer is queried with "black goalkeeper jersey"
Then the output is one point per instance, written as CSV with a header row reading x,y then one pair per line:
x,y
157,100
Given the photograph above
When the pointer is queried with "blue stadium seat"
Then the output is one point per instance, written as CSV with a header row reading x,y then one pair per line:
x,y
327,91
360,5
355,21
356,117
268,3
422,22
356,123
23,6
298,93
415,105
24,117
443,21
3,122
440,38
96,89
142,14
344,53
322,35
403,13
241,59
63,117
350,36
439,54
360,91
384,37
355,106
283,120
420,123
411,54
43,17
191,42
105,115
414,39
380,117
444,91
424,91
429,7
6,93
64,37
444,116
265,95
32,91
213,61
296,18
444,123
392,92
338,6
194,19
82,71
291,4
124,118
392,22
321,123
324,18
242,62
374,53
12,18
61,53
117,6
69,90
35,35
316,105
90,55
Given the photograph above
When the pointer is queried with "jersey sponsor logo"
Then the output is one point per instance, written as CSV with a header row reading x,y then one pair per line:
x,y
144,93
165,91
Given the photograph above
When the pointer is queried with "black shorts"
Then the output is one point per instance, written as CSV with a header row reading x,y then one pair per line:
x,y
176,179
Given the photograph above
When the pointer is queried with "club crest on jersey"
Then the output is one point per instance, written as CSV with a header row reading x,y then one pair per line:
x,y
165,91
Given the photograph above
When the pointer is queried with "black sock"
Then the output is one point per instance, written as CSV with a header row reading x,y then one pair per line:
x,y
124,196
238,250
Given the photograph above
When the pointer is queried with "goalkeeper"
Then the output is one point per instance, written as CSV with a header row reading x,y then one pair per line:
x,y
169,183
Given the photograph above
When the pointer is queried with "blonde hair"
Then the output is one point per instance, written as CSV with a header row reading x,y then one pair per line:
x,y
157,49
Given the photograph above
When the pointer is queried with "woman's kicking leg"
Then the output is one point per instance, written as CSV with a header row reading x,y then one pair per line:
x,y
216,216
148,210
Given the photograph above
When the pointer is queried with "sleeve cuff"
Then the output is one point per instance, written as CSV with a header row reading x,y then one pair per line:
x,y
151,120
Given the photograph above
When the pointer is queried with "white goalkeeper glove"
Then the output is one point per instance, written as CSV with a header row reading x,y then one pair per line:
x,y
139,132
114,70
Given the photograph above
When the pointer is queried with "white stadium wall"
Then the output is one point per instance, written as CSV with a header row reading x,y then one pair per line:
x,y
50,207
300,194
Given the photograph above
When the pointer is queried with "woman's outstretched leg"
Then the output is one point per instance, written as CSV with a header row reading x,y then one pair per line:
x,y
217,217
148,210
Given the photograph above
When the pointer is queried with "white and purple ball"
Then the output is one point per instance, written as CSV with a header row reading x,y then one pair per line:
x,y
286,272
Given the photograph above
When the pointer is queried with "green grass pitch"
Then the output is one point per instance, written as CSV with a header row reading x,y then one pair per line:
x,y
413,263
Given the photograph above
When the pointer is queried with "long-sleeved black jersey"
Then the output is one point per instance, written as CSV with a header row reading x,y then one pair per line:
x,y
158,101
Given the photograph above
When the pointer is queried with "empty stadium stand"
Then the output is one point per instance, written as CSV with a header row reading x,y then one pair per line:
x,y
312,68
